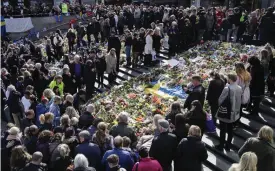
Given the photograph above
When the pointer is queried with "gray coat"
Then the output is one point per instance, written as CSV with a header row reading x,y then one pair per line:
x,y
236,100
210,20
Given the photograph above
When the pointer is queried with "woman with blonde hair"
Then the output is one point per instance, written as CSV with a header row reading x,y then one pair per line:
x,y
64,160
248,162
19,158
156,118
49,94
157,40
102,139
72,112
46,121
243,80
264,147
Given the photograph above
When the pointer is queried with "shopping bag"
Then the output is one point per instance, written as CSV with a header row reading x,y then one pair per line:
x,y
210,126
154,55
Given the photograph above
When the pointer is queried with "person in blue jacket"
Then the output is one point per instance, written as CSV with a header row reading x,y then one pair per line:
x,y
88,149
125,159
41,108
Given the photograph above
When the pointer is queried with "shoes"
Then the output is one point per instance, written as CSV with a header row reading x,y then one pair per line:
x,y
219,147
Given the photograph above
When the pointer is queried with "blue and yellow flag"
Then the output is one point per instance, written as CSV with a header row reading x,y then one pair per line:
x,y
3,26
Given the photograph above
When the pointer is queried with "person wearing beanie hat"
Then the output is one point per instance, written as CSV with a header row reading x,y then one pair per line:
x,y
164,146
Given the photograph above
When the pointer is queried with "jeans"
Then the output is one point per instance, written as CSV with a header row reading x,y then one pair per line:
x,y
128,54
226,128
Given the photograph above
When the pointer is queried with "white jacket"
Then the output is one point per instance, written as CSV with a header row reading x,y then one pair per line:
x,y
26,103
149,45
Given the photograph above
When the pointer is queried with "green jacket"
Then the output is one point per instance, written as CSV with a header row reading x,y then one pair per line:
x,y
60,86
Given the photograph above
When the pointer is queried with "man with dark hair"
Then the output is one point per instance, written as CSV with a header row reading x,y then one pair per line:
x,y
195,92
146,163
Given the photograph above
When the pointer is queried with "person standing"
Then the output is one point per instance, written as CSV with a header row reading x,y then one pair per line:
x,y
164,146
233,92
157,40
111,63
114,42
257,84
148,47
89,77
71,40
173,41
195,92
125,159
128,46
76,69
191,151
100,67
146,163
213,93
264,147
136,49
88,149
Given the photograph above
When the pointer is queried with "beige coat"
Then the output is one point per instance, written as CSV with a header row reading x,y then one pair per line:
x,y
110,63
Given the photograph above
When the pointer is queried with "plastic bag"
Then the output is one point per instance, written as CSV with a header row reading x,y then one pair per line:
x,y
210,126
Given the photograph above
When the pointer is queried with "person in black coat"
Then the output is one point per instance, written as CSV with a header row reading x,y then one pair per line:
x,y
271,78
213,93
156,40
195,92
257,83
136,49
267,26
114,42
173,41
30,140
69,84
71,40
93,28
191,151
16,107
89,77
164,146
100,67
181,127
87,118
28,120
196,115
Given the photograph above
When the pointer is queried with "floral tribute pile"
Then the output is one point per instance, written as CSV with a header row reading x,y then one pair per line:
x,y
135,98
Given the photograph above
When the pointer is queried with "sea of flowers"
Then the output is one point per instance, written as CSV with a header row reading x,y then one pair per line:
x,y
133,95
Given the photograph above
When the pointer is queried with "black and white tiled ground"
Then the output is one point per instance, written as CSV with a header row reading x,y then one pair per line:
x,y
249,126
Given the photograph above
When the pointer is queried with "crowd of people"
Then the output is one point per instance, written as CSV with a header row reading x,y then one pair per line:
x,y
45,89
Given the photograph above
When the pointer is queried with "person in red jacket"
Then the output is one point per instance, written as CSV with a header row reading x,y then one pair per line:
x,y
146,163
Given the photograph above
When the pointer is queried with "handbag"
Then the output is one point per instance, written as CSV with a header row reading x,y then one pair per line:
x,y
224,110
210,126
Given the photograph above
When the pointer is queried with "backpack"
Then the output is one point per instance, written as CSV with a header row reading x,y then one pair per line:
x,y
246,95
